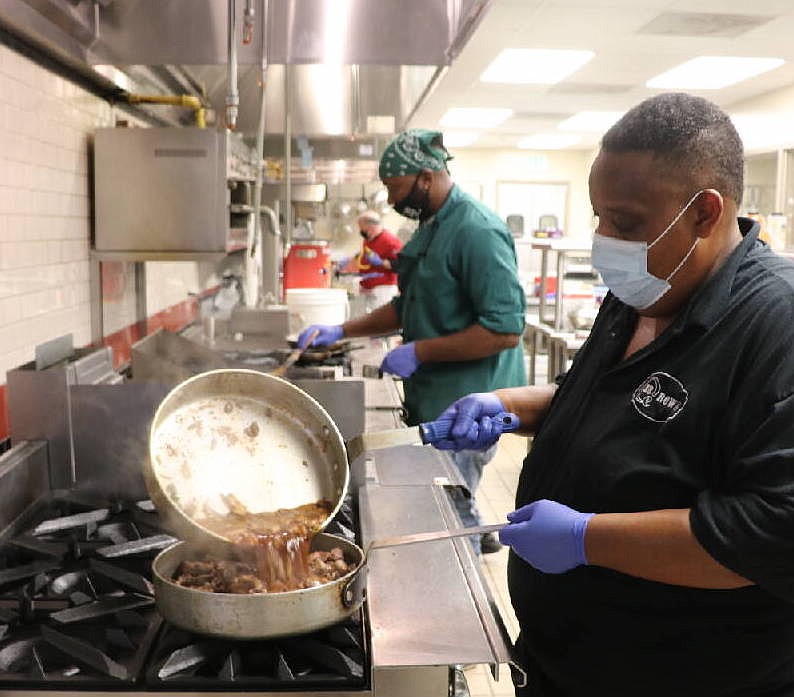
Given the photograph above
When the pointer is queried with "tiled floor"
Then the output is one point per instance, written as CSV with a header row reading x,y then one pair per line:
x,y
495,499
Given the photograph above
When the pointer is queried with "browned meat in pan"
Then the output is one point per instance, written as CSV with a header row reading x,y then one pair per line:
x,y
241,577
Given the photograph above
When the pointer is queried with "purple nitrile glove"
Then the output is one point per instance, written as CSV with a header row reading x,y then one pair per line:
x,y
328,334
474,428
373,258
548,535
373,274
401,361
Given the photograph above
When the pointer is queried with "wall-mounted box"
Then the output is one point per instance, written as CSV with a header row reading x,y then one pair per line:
x,y
163,189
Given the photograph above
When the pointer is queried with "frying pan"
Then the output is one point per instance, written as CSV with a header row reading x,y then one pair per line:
x,y
271,445
267,615
293,357
244,433
318,354
259,615
241,434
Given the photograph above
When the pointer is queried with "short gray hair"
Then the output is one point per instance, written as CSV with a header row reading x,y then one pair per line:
x,y
369,217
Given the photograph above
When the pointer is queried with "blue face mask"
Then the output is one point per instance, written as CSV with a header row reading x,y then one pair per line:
x,y
623,265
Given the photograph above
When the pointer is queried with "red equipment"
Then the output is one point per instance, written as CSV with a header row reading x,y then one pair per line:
x,y
307,265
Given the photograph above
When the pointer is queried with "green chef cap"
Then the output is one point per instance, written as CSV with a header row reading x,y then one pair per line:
x,y
412,151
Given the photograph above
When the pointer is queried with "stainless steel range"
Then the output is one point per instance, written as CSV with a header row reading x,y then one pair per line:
x,y
77,612
78,534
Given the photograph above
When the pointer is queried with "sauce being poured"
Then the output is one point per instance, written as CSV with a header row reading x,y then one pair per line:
x,y
274,548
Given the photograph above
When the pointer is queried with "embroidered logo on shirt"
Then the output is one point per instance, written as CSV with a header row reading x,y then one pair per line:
x,y
660,397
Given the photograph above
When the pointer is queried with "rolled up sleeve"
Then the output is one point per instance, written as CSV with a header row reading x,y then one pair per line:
x,y
490,276
747,522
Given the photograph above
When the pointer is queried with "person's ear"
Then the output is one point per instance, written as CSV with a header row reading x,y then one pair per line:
x,y
709,208
425,180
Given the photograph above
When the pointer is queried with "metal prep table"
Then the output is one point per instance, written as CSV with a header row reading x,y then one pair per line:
x,y
405,490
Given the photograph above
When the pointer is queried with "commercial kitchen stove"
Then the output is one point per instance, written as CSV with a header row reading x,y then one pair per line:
x,y
77,612
76,606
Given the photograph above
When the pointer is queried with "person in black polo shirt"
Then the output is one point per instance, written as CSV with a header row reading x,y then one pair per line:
x,y
653,541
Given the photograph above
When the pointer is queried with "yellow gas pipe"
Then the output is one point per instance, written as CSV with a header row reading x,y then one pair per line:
x,y
185,100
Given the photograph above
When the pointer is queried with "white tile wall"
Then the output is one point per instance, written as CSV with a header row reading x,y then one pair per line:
x,y
46,125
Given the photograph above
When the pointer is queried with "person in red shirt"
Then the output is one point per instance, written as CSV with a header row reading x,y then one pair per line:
x,y
377,261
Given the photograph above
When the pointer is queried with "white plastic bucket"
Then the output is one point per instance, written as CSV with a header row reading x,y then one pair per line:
x,y
307,306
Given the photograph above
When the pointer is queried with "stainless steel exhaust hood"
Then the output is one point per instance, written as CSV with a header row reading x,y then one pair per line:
x,y
331,100
358,66
373,32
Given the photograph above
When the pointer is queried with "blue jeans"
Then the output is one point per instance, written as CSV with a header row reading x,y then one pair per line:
x,y
470,464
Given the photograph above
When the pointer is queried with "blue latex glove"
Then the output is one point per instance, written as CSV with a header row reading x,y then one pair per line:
x,y
401,361
473,428
548,535
328,334
373,258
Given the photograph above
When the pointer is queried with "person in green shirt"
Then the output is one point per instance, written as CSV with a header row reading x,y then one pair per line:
x,y
461,305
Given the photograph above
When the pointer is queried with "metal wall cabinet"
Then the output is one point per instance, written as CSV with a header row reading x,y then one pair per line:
x,y
161,189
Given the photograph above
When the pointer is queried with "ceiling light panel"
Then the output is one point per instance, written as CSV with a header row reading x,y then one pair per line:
x,y
549,141
713,72
534,66
590,121
472,117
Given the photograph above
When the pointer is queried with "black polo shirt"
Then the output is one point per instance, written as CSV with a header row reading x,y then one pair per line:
x,y
702,418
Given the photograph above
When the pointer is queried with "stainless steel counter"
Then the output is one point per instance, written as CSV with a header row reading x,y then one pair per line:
x,y
382,397
443,612
436,617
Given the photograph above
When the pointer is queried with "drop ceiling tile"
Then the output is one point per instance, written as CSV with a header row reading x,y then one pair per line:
x,y
625,59
705,24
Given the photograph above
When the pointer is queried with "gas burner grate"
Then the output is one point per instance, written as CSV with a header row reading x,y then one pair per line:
x,y
333,657
68,617
77,612
345,522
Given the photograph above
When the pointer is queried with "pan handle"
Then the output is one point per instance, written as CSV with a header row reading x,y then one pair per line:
x,y
418,537
353,590
434,431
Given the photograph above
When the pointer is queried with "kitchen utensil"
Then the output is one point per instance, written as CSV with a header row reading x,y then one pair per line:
x,y
255,439
266,615
424,434
341,346
242,433
258,615
293,357
435,535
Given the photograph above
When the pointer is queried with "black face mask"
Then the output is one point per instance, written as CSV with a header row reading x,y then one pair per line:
x,y
414,205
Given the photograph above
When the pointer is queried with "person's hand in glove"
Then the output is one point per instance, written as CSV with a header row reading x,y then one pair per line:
x,y
401,361
326,334
548,535
473,427
373,259
345,265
